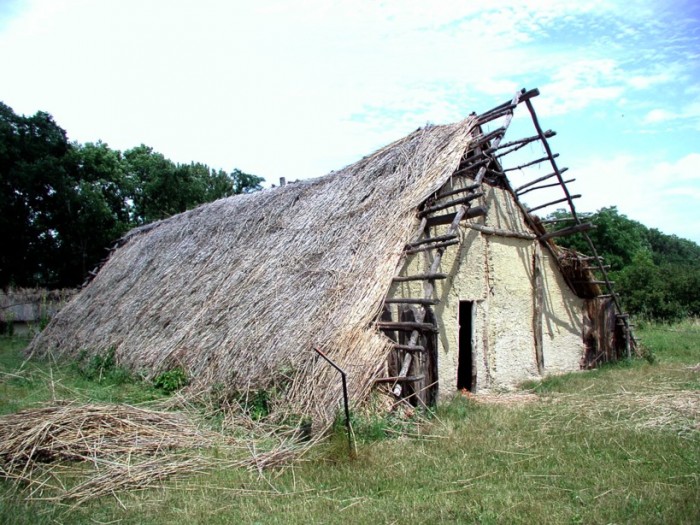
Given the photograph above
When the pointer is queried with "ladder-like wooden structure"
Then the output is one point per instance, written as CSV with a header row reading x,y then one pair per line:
x,y
482,162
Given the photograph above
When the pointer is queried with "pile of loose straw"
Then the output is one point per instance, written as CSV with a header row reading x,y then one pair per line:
x,y
75,452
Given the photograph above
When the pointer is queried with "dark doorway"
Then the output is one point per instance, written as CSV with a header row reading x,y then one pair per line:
x,y
465,366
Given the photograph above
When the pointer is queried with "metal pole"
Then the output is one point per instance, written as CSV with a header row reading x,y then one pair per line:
x,y
345,396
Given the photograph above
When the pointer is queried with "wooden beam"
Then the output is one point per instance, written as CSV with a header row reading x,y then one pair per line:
x,y
435,246
419,277
538,308
448,218
470,187
539,179
410,300
486,230
409,348
568,198
532,163
399,379
578,228
406,326
456,202
428,240
544,186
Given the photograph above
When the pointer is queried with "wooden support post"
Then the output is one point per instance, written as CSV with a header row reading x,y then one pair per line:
x,y
538,290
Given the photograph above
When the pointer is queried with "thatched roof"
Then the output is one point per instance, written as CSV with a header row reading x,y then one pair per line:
x,y
239,291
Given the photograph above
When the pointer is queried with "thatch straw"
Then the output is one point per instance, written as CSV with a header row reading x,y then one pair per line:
x,y
241,290
126,447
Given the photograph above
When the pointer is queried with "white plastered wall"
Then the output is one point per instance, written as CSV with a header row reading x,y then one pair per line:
x,y
496,273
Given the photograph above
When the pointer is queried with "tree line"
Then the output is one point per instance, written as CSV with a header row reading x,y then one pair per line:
x,y
656,275
62,203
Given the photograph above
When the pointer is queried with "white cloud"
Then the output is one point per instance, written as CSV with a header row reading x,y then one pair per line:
x,y
661,195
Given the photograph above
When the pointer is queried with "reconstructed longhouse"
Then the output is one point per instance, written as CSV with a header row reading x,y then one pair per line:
x,y
418,268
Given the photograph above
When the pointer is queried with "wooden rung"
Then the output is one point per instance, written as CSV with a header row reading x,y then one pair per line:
x,y
409,348
605,295
554,221
432,246
540,179
469,168
428,240
406,326
545,186
537,161
410,300
515,145
578,228
462,200
399,379
593,282
507,106
499,132
438,220
495,113
457,191
598,268
420,277
565,199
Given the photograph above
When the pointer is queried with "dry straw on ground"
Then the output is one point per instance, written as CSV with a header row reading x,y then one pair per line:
x,y
75,452
240,291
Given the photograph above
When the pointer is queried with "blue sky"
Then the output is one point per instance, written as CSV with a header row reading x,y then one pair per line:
x,y
298,88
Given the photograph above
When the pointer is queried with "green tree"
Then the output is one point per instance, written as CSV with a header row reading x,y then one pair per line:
x,y
33,168
61,204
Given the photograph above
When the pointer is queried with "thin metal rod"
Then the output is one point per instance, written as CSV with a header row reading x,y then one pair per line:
x,y
343,377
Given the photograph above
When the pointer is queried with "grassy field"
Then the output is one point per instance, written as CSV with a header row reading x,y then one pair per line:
x,y
616,445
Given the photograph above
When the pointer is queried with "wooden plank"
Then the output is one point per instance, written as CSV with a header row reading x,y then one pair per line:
x,y
406,326
428,240
594,282
419,277
432,246
448,218
410,300
578,228
456,202
565,199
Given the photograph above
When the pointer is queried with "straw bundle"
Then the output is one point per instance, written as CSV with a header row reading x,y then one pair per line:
x,y
238,292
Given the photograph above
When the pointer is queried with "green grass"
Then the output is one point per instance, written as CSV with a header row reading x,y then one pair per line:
x,y
615,445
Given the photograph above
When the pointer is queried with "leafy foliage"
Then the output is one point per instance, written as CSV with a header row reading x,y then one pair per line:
x,y
657,275
103,368
171,381
62,203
